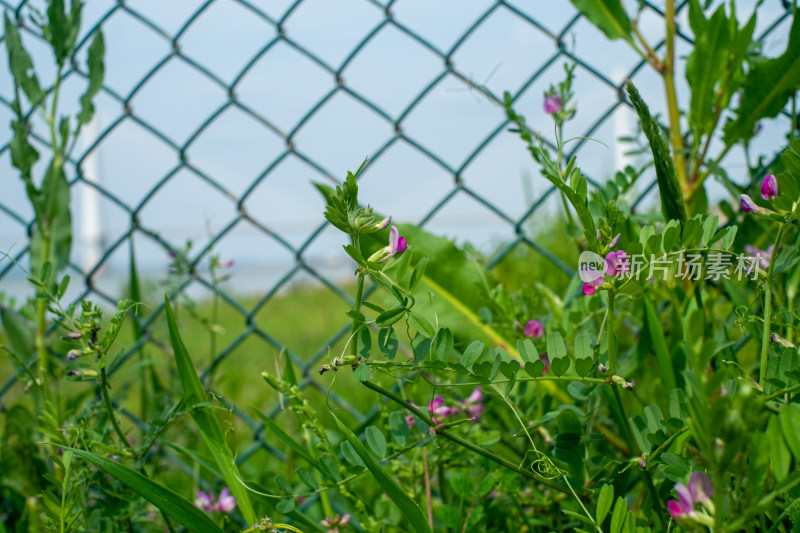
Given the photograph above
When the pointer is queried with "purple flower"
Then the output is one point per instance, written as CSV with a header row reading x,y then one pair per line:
x,y
437,408
552,104
333,524
592,277
769,188
759,257
614,242
747,204
472,405
397,244
617,263
228,263
699,490
204,501
533,329
226,503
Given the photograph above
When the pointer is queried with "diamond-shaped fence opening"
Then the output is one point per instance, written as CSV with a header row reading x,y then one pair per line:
x,y
216,117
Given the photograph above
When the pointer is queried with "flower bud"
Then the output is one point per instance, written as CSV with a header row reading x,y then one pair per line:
x,y
552,104
769,188
748,205
774,337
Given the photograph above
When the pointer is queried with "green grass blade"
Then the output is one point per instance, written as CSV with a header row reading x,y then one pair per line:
x,y
171,503
659,345
407,506
206,421
285,438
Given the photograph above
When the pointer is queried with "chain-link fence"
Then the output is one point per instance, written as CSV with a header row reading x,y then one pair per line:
x,y
423,161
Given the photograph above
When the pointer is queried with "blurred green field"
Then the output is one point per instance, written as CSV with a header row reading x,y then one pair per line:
x,y
304,320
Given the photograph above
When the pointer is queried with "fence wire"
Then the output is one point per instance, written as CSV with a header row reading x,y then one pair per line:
x,y
517,235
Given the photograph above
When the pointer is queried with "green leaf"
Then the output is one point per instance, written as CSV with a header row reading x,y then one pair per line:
x,y
671,235
471,354
387,342
583,345
376,441
659,344
20,64
443,346
284,484
767,88
390,316
560,366
705,67
604,501
407,506
419,272
62,28
363,342
618,516
361,372
608,15
56,197
790,424
421,347
353,252
286,505
18,330
329,467
96,73
399,427
555,346
672,204
709,229
194,396
527,350
535,368
307,477
779,457
583,366
171,503
350,455
423,326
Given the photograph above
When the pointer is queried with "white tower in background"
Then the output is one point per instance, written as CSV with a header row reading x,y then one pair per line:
x,y
90,228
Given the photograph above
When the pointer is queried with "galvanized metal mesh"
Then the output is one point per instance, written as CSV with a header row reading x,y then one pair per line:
x,y
542,69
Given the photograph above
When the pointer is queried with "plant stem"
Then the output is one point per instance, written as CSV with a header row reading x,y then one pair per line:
x,y
658,511
359,298
41,310
465,443
765,340
672,99
612,346
110,408
427,485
